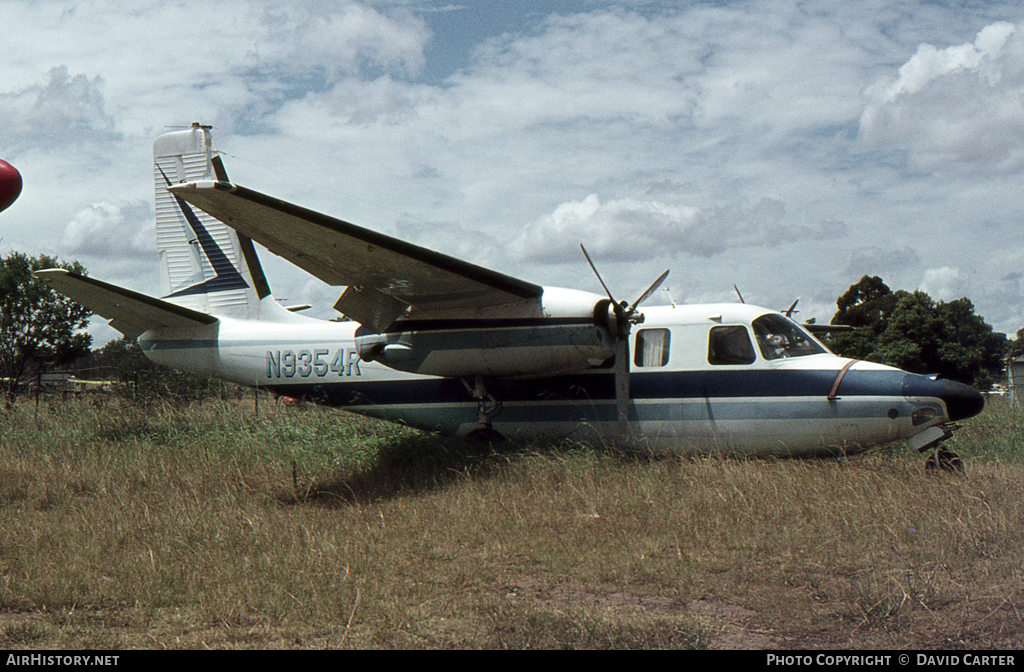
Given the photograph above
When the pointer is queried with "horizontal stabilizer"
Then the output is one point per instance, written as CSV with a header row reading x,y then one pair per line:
x,y
129,312
389,274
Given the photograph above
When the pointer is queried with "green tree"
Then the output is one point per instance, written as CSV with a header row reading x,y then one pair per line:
x,y
39,328
1017,345
912,331
866,306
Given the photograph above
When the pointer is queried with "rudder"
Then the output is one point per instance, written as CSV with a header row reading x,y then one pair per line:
x,y
205,265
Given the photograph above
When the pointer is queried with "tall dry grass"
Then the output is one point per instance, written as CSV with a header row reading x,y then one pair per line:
x,y
170,526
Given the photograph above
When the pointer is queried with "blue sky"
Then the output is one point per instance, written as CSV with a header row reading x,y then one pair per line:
x,y
785,147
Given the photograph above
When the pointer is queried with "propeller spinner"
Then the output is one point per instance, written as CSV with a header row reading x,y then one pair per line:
x,y
625,316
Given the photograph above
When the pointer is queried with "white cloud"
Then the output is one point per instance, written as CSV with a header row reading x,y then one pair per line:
x,y
962,106
621,230
106,229
170,63
66,110
724,135
761,226
945,283
639,230
884,262
337,39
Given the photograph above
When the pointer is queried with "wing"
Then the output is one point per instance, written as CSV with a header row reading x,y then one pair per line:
x,y
816,329
129,312
384,275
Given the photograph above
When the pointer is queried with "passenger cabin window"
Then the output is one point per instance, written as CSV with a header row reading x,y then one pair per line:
x,y
652,347
730,345
779,337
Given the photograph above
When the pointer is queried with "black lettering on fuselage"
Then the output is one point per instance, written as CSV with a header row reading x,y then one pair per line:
x,y
313,363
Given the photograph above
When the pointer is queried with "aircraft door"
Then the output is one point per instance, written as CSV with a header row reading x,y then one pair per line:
x,y
724,390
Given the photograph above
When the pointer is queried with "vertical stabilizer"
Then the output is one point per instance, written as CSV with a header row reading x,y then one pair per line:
x,y
204,264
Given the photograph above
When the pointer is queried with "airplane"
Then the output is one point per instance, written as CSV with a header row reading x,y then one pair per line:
x,y
443,345
10,185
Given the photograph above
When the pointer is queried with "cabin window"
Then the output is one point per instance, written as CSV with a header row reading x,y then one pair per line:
x,y
779,337
730,345
652,347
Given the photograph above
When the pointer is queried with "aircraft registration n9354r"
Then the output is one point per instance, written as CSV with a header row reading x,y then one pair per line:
x,y
444,345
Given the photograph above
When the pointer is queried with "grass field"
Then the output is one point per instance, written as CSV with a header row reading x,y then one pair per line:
x,y
162,526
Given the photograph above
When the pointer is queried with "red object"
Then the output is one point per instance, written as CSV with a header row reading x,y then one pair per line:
x,y
10,184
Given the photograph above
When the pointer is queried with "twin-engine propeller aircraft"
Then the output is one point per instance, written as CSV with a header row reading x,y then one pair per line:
x,y
445,345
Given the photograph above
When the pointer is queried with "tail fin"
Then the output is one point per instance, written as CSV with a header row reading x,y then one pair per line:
x,y
204,264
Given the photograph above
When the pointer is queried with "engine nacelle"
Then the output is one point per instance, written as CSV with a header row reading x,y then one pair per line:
x,y
571,334
504,351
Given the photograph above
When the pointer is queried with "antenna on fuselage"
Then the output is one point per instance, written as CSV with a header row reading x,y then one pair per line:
x,y
671,299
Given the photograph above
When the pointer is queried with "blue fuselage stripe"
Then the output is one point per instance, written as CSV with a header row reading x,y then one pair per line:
x,y
600,386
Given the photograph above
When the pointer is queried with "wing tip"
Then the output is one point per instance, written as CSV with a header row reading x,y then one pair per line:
x,y
201,185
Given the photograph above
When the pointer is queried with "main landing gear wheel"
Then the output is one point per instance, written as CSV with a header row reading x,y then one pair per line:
x,y
487,407
943,459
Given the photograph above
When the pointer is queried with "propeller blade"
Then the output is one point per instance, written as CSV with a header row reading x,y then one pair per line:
x,y
599,279
625,317
650,290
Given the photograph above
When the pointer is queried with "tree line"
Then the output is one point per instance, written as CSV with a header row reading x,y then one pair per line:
x,y
913,332
41,330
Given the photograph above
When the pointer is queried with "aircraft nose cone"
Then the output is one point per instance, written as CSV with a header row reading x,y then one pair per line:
x,y
962,401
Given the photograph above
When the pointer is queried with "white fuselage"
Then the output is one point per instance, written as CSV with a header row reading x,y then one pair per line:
x,y
680,400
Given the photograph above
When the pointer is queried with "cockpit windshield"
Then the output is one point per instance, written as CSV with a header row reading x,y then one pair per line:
x,y
779,337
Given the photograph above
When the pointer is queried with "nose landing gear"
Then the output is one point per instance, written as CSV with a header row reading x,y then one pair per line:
x,y
934,439
944,459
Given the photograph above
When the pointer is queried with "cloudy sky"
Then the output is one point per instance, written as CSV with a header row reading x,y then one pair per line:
x,y
785,147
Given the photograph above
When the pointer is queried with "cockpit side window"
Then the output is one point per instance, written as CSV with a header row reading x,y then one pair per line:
x,y
779,337
730,345
652,347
